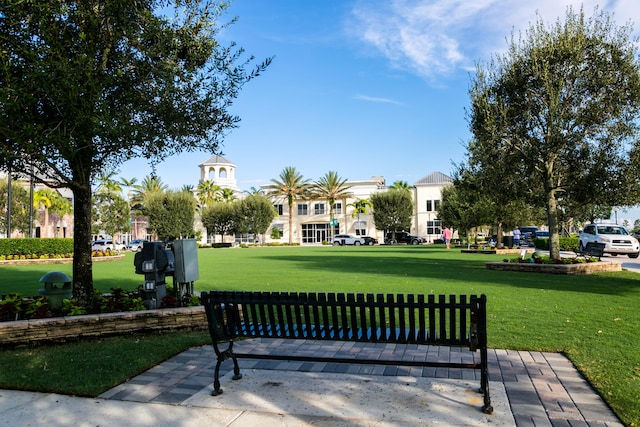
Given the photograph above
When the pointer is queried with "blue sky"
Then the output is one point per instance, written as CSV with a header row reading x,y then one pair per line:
x,y
364,87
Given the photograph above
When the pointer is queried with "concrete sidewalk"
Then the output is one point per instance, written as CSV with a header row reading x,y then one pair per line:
x,y
527,389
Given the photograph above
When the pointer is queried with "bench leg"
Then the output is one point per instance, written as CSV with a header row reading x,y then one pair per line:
x,y
216,378
484,382
486,407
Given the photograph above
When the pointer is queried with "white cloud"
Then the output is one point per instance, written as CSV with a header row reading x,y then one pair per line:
x,y
376,99
434,38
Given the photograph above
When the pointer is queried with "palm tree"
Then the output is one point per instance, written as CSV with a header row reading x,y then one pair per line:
x,y
361,207
255,191
208,192
60,206
331,187
400,185
292,186
227,195
51,202
107,184
149,185
129,184
43,198
187,188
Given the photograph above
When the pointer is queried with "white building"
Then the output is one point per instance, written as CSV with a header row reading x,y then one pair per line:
x,y
310,223
221,172
427,194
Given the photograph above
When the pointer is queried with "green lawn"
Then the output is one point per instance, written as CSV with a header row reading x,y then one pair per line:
x,y
593,319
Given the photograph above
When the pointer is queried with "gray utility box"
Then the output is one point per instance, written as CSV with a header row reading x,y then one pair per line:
x,y
186,259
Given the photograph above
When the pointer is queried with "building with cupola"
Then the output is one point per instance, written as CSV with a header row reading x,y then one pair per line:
x,y
310,218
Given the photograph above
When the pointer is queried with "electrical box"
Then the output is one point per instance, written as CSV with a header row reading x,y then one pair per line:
x,y
155,262
185,252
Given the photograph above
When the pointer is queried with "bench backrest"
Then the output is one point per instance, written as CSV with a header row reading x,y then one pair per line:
x,y
453,321
595,249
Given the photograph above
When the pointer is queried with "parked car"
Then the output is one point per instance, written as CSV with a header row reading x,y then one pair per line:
x,y
104,244
347,239
370,240
402,237
526,234
136,245
616,239
540,234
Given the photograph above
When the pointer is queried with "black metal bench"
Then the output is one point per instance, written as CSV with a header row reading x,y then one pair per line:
x,y
402,319
594,249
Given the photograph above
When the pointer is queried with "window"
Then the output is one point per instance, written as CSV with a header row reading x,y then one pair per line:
x,y
318,209
434,227
303,209
337,208
361,228
429,205
436,205
279,209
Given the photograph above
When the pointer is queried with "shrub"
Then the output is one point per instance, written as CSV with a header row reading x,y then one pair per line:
x,y
566,243
24,247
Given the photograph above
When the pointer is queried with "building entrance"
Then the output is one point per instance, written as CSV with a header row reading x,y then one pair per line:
x,y
315,233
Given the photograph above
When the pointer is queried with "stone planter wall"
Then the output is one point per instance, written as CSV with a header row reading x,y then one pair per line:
x,y
585,268
97,325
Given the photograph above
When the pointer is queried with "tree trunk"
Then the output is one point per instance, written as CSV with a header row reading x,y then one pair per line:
x,y
290,223
82,267
552,218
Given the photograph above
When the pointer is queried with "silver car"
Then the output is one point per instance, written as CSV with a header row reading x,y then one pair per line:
x,y
136,245
347,239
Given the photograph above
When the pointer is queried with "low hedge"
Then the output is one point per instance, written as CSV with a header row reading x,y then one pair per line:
x,y
53,246
566,243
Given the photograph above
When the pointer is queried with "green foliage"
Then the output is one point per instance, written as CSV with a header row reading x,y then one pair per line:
x,y
19,207
253,214
392,210
218,218
85,87
37,308
560,107
110,213
71,307
11,306
331,188
171,214
291,186
566,243
208,193
53,246
276,233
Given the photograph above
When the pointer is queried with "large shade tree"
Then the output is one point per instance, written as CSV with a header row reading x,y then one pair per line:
x,y
88,84
171,214
392,210
253,214
562,103
218,218
292,186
